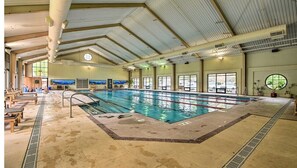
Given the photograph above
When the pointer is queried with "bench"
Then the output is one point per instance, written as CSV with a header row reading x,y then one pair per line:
x,y
16,111
22,98
12,120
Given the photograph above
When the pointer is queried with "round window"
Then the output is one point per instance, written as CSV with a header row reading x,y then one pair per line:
x,y
276,82
88,57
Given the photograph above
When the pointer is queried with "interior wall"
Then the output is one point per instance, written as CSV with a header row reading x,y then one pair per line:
x,y
264,63
193,68
64,71
166,70
228,64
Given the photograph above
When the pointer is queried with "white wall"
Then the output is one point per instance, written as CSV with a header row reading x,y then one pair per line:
x,y
262,64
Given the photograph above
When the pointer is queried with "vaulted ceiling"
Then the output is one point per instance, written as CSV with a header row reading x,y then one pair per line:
x,y
127,31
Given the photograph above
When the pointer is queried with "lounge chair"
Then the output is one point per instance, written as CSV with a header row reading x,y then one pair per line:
x,y
16,111
14,99
12,120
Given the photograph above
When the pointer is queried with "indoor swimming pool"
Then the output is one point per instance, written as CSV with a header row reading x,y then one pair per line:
x,y
168,107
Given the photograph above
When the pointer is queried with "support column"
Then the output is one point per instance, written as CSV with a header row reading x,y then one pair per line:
x,y
12,70
20,74
129,79
244,77
140,79
174,76
202,75
155,78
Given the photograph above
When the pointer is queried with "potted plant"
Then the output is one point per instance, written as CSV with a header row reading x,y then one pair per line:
x,y
258,88
288,90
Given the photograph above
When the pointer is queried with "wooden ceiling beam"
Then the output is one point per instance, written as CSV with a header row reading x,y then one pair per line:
x,y
169,28
109,60
25,9
29,49
140,39
105,5
24,37
32,56
90,28
83,39
37,60
71,48
45,7
123,47
112,53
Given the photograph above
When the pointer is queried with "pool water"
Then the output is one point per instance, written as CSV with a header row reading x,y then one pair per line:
x,y
164,106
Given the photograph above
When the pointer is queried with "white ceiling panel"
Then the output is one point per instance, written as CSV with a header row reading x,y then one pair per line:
x,y
97,16
116,49
35,52
77,44
142,23
129,41
173,16
84,34
204,16
26,2
108,1
106,54
25,23
27,43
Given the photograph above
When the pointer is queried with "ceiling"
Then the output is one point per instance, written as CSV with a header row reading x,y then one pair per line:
x,y
127,31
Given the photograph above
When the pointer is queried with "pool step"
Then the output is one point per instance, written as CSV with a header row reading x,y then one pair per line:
x,y
240,157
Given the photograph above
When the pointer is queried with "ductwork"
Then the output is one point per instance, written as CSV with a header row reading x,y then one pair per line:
x,y
231,41
58,13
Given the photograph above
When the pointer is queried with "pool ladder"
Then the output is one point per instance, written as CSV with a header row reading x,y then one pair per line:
x,y
91,96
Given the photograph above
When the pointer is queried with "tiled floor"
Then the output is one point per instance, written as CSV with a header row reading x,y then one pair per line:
x,y
79,142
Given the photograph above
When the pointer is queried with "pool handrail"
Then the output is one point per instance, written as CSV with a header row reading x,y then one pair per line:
x,y
89,95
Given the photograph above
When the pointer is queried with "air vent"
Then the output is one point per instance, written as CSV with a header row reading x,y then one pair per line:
x,y
277,34
220,46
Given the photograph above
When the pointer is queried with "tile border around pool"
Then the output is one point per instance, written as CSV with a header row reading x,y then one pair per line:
x,y
198,140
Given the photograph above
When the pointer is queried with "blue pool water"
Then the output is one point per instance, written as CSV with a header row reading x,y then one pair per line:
x,y
164,106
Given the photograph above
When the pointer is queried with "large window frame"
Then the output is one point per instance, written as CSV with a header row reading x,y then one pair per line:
x,y
187,83
164,82
147,82
276,81
213,86
135,83
40,69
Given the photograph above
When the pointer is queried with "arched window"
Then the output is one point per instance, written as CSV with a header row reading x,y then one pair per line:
x,y
276,81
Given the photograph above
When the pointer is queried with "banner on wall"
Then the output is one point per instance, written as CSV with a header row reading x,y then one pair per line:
x,y
63,82
97,82
120,82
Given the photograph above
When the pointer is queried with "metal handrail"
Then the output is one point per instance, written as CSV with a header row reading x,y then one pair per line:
x,y
89,95
63,97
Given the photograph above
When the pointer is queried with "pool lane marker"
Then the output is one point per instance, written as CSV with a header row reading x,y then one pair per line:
x,y
30,158
241,156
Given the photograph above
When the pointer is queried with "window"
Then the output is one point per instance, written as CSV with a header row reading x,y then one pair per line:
x,y
164,83
148,82
222,83
40,69
135,83
276,82
187,82
88,57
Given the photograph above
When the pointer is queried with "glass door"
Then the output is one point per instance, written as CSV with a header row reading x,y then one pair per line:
x,y
221,83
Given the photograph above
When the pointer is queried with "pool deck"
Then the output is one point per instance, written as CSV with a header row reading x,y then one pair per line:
x,y
80,142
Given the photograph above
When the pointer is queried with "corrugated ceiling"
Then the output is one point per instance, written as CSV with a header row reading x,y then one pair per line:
x,y
195,21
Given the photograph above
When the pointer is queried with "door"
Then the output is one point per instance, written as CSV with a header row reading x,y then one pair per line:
x,y
109,83
44,83
221,83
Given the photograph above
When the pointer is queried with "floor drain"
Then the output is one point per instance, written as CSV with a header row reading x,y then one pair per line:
x,y
239,158
30,158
